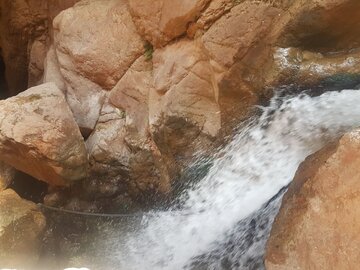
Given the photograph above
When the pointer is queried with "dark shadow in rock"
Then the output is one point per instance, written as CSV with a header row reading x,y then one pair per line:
x,y
3,84
29,188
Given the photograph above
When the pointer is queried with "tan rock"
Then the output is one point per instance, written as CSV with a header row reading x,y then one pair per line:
x,y
214,11
234,34
93,59
161,21
21,229
131,94
123,159
319,221
7,174
108,153
36,61
103,52
186,87
40,137
52,70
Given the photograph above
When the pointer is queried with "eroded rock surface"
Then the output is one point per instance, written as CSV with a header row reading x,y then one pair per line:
x,y
23,217
161,21
39,136
318,224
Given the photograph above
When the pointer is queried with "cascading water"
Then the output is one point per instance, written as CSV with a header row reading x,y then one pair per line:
x,y
224,221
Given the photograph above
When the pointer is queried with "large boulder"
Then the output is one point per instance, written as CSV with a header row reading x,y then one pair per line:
x,y
21,229
319,221
161,21
87,67
38,135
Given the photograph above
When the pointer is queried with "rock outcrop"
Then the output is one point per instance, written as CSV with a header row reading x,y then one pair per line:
x,y
17,215
39,136
318,224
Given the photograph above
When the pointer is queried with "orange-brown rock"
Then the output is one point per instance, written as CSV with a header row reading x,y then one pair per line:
x,y
7,174
93,59
23,217
162,21
123,157
185,87
131,94
38,135
24,33
319,222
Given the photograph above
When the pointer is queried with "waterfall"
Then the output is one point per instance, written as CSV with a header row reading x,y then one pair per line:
x,y
226,217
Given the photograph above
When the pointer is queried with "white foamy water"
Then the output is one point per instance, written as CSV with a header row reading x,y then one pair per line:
x,y
260,161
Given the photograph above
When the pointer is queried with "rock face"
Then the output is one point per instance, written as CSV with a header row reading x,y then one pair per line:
x,y
319,221
7,175
23,217
183,72
87,68
39,136
25,31
161,21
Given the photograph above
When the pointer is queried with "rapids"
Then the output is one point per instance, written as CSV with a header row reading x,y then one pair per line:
x,y
224,219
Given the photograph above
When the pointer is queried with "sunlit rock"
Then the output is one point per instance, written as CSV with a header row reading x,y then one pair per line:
x,y
93,59
38,135
319,221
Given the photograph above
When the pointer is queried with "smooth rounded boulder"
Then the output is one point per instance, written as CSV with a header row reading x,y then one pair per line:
x,y
319,221
39,136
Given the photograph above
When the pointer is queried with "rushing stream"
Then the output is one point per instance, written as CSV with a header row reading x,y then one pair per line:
x,y
225,219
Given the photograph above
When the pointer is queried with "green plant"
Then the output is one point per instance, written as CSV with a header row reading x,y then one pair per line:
x,y
149,50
